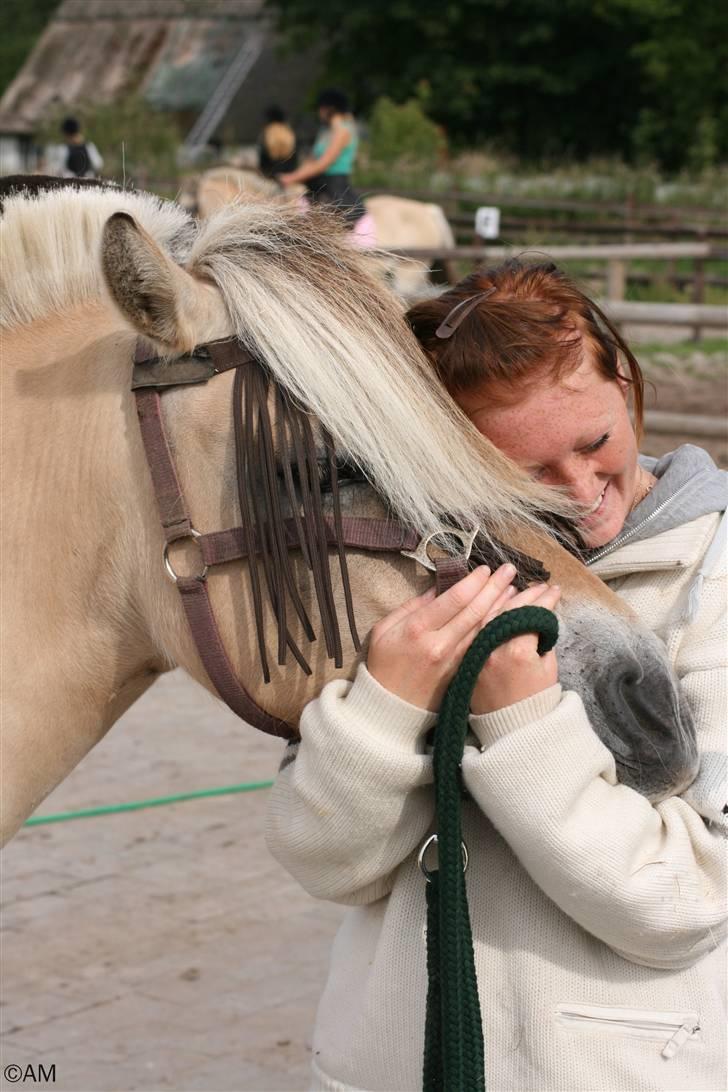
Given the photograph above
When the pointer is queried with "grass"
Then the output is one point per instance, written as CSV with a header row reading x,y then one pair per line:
x,y
487,171
709,346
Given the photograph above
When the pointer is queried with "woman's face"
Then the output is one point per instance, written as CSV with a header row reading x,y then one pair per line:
x,y
574,432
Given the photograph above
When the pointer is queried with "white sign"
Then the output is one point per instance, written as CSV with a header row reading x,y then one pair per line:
x,y
487,222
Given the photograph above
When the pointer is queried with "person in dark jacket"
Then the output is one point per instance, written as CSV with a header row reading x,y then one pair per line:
x,y
82,158
277,151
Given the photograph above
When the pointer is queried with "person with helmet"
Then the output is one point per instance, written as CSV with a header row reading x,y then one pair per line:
x,y
328,174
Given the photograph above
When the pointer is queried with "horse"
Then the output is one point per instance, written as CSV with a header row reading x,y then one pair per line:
x,y
90,618
398,223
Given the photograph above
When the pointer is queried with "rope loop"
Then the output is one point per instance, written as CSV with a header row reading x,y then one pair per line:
x,y
454,1056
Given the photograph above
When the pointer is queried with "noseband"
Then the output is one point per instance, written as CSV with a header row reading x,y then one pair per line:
x,y
310,531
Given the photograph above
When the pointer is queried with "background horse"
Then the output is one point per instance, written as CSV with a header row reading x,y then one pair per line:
x,y
399,222
89,618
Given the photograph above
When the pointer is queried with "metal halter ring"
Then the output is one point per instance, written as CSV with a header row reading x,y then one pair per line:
x,y
173,576
432,840
467,538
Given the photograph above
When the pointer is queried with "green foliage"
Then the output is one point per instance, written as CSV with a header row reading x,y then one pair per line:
x,y
21,24
403,132
539,79
136,141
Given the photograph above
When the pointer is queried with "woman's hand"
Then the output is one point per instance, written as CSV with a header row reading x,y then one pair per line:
x,y
515,670
415,651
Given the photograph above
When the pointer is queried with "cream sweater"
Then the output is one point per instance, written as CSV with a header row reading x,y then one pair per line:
x,y
598,918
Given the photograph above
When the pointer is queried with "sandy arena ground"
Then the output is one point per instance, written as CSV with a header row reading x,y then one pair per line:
x,y
165,949
683,381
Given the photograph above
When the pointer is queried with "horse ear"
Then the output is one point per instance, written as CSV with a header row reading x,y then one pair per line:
x,y
148,287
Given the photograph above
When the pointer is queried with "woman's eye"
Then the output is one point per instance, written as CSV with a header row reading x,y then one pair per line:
x,y
598,443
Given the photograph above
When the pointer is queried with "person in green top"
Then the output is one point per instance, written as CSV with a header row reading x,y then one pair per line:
x,y
328,174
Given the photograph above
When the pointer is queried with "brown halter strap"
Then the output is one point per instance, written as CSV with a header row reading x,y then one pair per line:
x,y
219,547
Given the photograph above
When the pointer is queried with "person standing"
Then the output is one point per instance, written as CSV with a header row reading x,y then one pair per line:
x,y
328,174
81,158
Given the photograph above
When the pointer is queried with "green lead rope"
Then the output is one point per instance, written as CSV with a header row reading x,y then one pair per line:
x,y
454,1058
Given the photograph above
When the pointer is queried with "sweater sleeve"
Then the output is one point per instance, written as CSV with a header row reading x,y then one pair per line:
x,y
647,879
353,799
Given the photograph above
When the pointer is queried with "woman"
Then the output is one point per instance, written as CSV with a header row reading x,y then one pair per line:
x,y
328,174
597,916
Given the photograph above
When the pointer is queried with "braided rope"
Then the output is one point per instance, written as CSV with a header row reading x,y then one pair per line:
x,y
454,1057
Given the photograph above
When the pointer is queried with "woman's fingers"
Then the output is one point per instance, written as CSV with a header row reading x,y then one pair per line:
x,y
549,598
466,604
446,606
541,595
404,609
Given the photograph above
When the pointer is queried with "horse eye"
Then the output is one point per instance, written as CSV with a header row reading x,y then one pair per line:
x,y
347,473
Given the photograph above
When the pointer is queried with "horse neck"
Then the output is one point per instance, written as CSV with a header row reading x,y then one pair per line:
x,y
75,652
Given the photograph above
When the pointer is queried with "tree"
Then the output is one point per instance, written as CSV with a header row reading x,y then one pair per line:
x,y
21,24
539,78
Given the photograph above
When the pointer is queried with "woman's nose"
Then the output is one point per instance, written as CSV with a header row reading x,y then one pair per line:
x,y
580,483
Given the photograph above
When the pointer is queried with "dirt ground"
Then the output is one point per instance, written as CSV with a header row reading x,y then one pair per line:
x,y
681,380
164,948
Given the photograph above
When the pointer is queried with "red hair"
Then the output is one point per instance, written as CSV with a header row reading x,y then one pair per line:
x,y
534,324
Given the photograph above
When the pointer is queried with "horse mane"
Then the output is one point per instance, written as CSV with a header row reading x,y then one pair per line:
x,y
248,180
303,300
306,303
50,239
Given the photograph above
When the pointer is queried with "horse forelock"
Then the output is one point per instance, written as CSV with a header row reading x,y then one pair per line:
x,y
306,303
51,242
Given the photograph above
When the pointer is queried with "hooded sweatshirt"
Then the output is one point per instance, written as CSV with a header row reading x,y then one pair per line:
x,y
598,917
689,485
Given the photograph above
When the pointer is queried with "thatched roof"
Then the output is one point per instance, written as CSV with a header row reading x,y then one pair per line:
x,y
175,52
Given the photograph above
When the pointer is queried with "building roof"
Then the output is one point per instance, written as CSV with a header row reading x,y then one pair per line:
x,y
174,52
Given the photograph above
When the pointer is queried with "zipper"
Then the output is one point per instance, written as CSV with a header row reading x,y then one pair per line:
x,y
675,1027
621,539
683,1033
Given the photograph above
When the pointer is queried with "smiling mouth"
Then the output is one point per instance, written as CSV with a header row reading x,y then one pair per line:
x,y
597,503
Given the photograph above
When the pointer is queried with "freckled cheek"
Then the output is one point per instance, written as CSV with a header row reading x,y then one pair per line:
x,y
616,459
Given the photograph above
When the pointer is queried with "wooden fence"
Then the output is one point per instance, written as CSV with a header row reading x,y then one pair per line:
x,y
568,215
616,258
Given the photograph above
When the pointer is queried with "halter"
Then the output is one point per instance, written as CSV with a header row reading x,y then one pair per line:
x,y
150,377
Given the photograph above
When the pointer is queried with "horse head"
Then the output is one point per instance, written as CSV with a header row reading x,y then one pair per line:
x,y
89,601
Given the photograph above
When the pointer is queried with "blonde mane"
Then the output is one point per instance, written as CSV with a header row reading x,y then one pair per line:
x,y
305,300
50,246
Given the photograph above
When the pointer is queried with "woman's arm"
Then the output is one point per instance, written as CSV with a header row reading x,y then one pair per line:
x,y
648,880
353,800
340,139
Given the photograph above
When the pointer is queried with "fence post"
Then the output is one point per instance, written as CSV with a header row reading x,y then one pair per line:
x,y
698,293
616,278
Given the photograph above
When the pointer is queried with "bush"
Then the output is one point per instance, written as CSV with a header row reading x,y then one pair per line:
x,y
135,141
403,133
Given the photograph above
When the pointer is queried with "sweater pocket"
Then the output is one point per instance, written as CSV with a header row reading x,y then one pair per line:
x,y
672,1029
